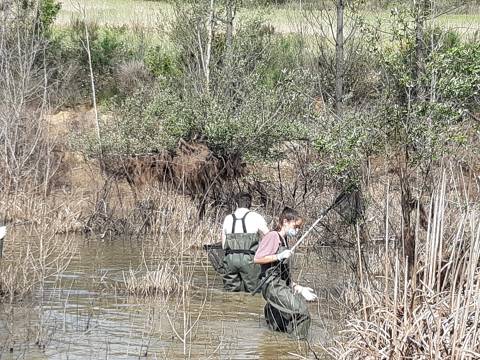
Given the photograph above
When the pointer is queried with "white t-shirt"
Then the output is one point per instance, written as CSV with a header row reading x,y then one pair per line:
x,y
254,222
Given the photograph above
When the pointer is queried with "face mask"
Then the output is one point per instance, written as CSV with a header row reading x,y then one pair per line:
x,y
292,232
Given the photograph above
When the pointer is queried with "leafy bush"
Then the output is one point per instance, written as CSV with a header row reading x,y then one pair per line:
x,y
161,62
427,105
258,97
458,75
111,49
284,53
344,144
48,12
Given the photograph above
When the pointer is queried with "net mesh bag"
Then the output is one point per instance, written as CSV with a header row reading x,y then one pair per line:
x,y
215,255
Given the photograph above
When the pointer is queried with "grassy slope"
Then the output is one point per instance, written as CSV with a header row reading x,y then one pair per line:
x,y
116,12
149,14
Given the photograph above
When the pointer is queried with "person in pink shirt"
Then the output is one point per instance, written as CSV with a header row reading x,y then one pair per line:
x,y
286,309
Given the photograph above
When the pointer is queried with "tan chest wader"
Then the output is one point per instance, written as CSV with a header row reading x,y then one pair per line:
x,y
241,273
285,311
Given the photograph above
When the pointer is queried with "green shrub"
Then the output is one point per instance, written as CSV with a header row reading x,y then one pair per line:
x,y
344,143
161,62
285,54
110,48
48,12
457,70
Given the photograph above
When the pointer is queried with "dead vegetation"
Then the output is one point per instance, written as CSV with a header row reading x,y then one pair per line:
x,y
161,282
434,312
26,264
192,169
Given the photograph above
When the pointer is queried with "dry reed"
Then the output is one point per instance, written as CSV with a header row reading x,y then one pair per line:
x,y
160,282
433,312
159,214
32,256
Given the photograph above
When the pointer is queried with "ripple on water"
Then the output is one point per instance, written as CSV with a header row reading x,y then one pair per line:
x,y
84,317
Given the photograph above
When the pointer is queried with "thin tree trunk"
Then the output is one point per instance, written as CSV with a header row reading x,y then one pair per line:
x,y
421,12
208,50
408,204
92,80
230,9
94,96
230,16
339,59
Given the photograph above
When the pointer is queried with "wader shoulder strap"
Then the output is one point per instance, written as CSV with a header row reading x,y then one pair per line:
x,y
244,226
283,240
233,222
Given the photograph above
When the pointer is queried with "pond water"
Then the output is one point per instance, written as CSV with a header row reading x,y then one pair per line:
x,y
85,312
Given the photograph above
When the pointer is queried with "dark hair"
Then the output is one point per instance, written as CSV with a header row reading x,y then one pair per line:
x,y
287,214
244,200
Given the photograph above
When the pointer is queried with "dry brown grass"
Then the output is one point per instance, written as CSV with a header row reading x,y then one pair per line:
x,y
30,257
164,216
435,313
162,281
132,74
285,19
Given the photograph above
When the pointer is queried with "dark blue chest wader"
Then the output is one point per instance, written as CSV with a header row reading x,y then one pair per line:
x,y
241,273
284,311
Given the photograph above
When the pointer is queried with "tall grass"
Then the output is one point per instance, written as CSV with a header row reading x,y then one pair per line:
x,y
154,212
29,161
146,14
173,282
162,281
288,18
434,312
31,256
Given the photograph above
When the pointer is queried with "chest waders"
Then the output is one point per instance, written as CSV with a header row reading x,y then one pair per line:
x,y
241,273
284,311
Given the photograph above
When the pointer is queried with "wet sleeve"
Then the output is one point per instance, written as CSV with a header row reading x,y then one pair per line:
x,y
268,245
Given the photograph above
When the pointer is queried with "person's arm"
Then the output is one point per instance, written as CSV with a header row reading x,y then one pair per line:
x,y
223,239
224,230
262,225
265,260
267,249
285,254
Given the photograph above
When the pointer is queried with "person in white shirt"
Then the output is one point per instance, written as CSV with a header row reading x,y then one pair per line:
x,y
241,233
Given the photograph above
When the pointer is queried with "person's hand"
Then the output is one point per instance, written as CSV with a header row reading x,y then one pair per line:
x,y
306,292
285,254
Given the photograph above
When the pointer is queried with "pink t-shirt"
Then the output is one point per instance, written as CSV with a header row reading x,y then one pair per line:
x,y
268,245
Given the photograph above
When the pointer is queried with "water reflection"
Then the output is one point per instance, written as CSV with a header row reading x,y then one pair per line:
x,y
84,314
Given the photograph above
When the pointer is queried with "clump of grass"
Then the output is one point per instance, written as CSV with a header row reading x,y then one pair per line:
x,y
166,216
31,256
132,74
15,280
160,282
432,311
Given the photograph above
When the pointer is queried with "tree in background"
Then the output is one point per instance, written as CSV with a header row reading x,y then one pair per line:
x,y
27,162
238,90
416,110
336,27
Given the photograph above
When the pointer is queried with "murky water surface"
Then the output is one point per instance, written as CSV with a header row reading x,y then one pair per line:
x,y
86,314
